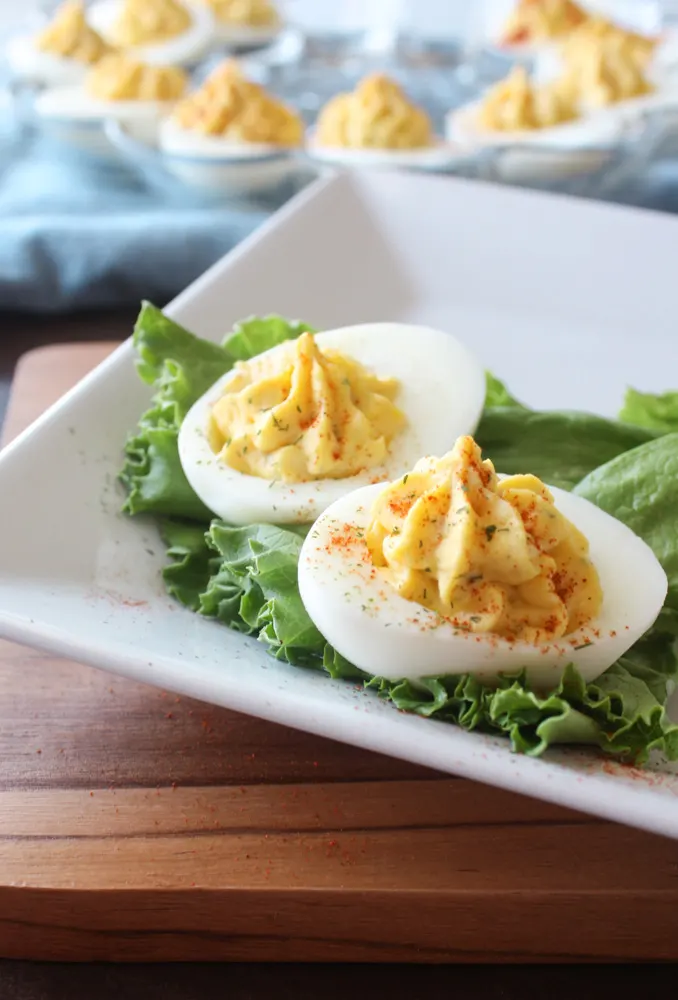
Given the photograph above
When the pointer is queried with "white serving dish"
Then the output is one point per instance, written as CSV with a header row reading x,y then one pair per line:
x,y
78,579
243,172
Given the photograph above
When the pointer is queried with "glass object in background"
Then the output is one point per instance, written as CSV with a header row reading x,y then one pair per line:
x,y
481,61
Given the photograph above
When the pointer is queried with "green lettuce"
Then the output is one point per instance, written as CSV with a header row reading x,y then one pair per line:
x,y
181,368
647,410
559,447
246,577
620,713
640,488
496,393
255,335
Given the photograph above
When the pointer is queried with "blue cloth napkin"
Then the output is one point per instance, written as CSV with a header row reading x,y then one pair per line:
x,y
78,233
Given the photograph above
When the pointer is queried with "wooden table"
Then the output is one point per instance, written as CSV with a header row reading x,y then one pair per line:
x,y
195,739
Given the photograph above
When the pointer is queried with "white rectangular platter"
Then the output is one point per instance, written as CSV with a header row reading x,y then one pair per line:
x,y
567,301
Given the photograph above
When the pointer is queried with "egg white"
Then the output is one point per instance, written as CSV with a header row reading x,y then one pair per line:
x,y
27,62
369,623
185,49
461,127
442,392
75,104
175,139
436,157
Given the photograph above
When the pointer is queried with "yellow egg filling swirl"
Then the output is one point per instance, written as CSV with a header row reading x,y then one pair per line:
x,y
515,105
489,555
541,20
144,22
376,115
117,78
230,106
604,64
250,13
70,36
304,414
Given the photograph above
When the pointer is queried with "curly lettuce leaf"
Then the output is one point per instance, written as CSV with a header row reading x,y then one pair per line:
x,y
180,367
622,713
255,335
644,409
191,562
559,447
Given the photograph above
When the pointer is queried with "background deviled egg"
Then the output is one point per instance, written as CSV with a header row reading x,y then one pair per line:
x,y
581,102
61,53
377,125
535,24
156,32
534,130
583,597
231,135
439,391
245,23
117,87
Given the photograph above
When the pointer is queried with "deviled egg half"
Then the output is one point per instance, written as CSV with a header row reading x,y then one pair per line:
x,y
117,87
452,569
156,32
535,24
281,437
245,23
230,134
377,125
578,105
60,54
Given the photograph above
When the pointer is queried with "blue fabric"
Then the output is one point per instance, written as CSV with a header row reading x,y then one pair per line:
x,y
77,233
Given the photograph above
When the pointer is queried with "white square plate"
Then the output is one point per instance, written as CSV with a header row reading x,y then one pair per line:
x,y
567,301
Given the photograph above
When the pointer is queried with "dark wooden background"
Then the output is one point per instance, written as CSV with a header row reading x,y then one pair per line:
x,y
35,981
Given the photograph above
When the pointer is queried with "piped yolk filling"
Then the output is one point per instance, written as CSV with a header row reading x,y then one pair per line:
x,y
515,104
491,556
231,107
305,414
71,37
604,64
117,78
536,20
144,22
376,115
253,13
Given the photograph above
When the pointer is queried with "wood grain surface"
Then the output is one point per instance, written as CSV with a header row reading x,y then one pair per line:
x,y
139,826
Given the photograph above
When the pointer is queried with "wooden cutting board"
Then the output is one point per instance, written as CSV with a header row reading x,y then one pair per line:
x,y
137,825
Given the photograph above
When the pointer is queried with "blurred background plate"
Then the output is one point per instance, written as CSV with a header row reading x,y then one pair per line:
x,y
268,179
